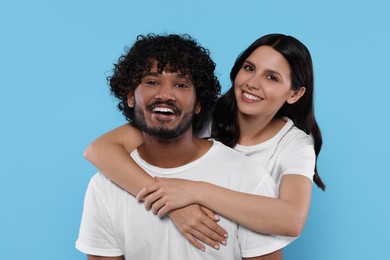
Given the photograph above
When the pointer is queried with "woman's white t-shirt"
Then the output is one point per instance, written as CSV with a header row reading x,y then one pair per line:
x,y
290,151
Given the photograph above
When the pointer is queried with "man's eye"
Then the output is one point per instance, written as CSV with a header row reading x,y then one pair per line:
x,y
151,82
181,85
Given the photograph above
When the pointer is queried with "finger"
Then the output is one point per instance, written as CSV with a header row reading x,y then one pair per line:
x,y
141,195
210,213
212,225
157,205
206,226
209,233
199,235
191,239
217,230
165,209
151,199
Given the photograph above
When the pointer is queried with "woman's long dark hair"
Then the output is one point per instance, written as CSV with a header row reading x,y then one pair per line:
x,y
225,124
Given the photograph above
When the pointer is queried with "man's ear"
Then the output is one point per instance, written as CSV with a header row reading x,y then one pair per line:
x,y
296,95
130,99
197,108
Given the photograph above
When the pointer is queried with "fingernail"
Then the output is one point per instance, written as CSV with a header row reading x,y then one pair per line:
x,y
225,235
216,217
216,247
224,242
203,249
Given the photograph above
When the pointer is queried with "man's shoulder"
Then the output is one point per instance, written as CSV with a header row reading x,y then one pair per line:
x,y
99,179
105,192
102,184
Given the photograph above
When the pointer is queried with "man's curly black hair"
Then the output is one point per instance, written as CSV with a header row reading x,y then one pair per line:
x,y
174,53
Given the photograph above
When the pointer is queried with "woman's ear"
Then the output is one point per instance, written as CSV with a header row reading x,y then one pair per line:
x,y
130,99
296,95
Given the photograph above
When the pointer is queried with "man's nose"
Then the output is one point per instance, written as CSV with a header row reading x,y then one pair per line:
x,y
165,92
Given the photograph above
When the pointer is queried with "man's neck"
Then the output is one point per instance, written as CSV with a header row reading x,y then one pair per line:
x,y
170,153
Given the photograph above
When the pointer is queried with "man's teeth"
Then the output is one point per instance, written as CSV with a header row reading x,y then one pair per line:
x,y
163,110
249,96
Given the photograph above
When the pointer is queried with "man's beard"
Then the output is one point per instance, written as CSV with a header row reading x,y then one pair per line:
x,y
161,131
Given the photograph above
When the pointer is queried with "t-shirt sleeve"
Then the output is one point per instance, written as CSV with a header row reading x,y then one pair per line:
x,y
96,236
255,244
300,159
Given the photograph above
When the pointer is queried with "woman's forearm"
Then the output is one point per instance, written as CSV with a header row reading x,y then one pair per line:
x,y
285,215
110,154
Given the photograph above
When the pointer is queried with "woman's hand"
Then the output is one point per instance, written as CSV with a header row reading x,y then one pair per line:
x,y
168,194
195,223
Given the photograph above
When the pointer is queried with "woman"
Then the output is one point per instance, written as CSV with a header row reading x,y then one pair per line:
x,y
268,115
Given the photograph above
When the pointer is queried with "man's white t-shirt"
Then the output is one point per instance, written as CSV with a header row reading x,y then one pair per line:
x,y
114,223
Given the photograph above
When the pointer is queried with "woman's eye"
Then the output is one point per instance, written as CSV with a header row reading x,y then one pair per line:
x,y
272,77
248,68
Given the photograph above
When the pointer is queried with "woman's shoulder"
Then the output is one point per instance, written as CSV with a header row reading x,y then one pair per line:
x,y
293,136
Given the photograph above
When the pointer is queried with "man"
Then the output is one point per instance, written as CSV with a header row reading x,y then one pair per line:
x,y
166,86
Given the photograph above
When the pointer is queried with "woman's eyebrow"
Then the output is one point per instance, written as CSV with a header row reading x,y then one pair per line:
x,y
250,63
273,72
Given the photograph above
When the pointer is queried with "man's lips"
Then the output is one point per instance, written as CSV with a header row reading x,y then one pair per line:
x,y
164,111
166,107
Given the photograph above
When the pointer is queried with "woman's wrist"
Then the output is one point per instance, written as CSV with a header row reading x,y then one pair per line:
x,y
200,192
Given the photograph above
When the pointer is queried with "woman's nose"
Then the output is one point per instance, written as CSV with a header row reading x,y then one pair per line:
x,y
253,85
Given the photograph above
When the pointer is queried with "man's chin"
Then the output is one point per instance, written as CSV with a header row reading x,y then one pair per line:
x,y
163,129
164,133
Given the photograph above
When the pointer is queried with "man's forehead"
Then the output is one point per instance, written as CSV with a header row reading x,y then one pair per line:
x,y
168,70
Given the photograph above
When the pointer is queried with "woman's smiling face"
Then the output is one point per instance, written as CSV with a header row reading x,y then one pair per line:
x,y
263,84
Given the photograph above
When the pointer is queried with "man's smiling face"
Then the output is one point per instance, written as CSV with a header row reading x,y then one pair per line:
x,y
164,103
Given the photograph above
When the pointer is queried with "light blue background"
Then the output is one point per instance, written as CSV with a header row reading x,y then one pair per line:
x,y
54,100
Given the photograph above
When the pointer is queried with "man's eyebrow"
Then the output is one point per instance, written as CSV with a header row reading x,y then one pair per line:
x,y
148,73
182,75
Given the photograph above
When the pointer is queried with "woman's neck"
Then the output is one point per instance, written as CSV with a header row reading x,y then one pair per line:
x,y
256,130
